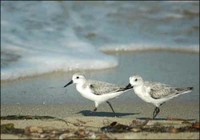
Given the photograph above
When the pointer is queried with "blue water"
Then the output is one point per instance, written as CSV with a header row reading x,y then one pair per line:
x,y
44,36
175,69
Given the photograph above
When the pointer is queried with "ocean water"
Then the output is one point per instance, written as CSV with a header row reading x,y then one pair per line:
x,y
173,68
46,36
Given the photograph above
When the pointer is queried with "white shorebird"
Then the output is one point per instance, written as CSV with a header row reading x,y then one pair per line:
x,y
155,93
96,91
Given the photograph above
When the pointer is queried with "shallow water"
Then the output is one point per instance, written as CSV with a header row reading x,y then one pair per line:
x,y
173,68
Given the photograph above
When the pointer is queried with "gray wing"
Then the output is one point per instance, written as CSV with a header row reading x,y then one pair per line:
x,y
99,88
158,90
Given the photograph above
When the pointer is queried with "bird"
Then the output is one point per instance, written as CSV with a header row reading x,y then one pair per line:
x,y
97,91
155,92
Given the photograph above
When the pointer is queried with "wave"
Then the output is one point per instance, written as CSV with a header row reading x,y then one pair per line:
x,y
42,37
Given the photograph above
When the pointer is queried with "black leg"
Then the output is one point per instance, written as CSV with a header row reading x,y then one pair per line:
x,y
158,111
111,107
95,109
155,112
162,103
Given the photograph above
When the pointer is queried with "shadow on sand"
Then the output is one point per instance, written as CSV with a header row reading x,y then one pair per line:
x,y
148,118
104,114
165,119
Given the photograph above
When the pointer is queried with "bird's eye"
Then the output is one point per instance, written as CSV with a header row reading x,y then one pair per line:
x,y
77,77
136,79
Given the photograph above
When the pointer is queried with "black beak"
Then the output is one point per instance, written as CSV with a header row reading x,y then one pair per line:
x,y
71,82
129,86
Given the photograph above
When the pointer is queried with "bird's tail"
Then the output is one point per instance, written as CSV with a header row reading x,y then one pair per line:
x,y
184,90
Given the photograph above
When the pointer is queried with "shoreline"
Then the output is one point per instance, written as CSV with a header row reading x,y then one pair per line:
x,y
130,110
174,69
111,52
152,49
44,96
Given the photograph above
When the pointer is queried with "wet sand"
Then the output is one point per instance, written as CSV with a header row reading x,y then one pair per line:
x,y
45,96
94,124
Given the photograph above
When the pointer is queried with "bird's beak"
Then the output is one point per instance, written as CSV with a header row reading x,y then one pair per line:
x,y
129,86
71,82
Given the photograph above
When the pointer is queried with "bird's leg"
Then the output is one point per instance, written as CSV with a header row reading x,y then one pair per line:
x,y
96,105
95,109
111,107
162,103
158,110
155,112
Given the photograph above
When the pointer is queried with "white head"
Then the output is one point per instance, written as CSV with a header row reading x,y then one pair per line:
x,y
136,80
76,78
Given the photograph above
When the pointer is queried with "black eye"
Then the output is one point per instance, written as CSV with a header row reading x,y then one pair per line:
x,y
77,77
136,79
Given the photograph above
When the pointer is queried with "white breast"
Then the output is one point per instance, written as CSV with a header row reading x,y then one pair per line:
x,y
85,92
143,93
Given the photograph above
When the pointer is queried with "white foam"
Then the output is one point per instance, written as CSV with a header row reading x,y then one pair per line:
x,y
42,37
146,46
43,60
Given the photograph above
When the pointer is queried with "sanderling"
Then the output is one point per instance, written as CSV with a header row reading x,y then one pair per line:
x,y
155,93
96,91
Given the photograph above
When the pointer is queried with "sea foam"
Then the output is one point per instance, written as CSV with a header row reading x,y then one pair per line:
x,y
42,37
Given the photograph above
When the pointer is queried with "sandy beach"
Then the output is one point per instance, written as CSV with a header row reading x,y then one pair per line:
x,y
93,125
44,95
43,44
